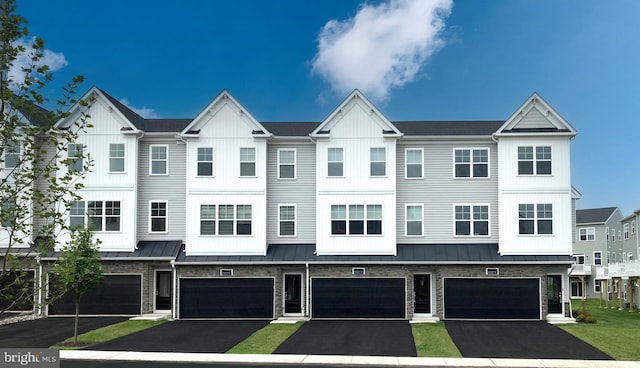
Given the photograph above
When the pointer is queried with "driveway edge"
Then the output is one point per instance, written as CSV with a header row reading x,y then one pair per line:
x,y
285,359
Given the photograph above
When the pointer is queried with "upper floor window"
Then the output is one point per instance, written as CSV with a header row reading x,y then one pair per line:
x,y
158,217
413,226
471,220
116,157
378,161
625,231
287,220
471,163
8,212
413,163
286,164
225,219
578,258
597,259
587,234
159,160
12,154
99,215
74,154
205,161
613,235
606,232
363,219
335,162
538,164
535,219
633,227
247,161
76,214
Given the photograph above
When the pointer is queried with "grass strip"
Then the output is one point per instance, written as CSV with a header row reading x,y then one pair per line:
x,y
107,333
616,332
266,340
433,340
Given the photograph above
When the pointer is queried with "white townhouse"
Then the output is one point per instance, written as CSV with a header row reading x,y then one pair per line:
x,y
355,216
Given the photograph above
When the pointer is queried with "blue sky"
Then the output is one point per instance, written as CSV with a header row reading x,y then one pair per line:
x,y
416,60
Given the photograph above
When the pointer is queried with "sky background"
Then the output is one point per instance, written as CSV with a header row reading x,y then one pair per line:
x,y
416,60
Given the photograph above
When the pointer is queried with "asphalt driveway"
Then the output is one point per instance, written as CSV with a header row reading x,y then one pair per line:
x,y
186,337
385,338
44,332
520,340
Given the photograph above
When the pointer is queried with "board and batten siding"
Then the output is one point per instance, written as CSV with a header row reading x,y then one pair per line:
x,y
438,191
300,192
170,188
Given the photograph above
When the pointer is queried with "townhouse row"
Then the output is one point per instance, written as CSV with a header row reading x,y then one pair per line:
x,y
355,216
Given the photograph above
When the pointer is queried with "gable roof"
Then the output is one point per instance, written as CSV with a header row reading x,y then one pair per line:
x,y
448,128
535,105
594,215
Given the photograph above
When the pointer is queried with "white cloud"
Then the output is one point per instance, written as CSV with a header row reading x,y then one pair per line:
x,y
145,112
54,60
382,47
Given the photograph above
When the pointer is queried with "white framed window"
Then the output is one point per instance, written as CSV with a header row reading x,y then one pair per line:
x,y
597,258
159,159
74,155
158,217
362,219
613,235
9,211
286,163
587,234
116,158
287,220
535,219
606,232
534,160
633,227
378,161
596,286
576,288
578,259
625,231
205,161
471,162
248,162
12,153
102,216
414,161
413,216
471,220
335,161
225,219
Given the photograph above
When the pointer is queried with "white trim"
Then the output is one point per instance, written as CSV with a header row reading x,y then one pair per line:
x,y
295,163
471,162
151,160
213,162
295,220
406,220
601,258
284,297
166,224
124,159
255,163
471,220
155,289
384,162
421,162
432,295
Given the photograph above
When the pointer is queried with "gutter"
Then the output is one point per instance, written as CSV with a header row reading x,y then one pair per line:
x,y
174,302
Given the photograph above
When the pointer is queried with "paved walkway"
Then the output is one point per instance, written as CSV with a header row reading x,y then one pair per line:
x,y
302,360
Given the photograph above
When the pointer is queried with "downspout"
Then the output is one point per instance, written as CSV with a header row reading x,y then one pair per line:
x,y
174,307
40,286
307,298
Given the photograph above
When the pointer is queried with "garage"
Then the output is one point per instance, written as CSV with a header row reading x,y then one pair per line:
x,y
358,298
116,295
494,298
19,285
226,298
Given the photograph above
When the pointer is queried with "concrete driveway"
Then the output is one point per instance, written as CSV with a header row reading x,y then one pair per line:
x,y
520,340
318,337
186,336
44,332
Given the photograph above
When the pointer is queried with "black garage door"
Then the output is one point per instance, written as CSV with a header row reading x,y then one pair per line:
x,y
474,298
358,298
226,298
118,294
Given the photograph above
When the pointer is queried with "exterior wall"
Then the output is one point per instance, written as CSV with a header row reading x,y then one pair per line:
x,y
438,191
517,189
299,192
170,188
614,245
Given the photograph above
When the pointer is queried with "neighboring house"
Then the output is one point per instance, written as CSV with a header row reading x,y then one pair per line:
x,y
595,244
355,216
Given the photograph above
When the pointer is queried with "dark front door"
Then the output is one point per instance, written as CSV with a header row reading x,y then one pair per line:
x,y
293,294
422,294
163,290
554,293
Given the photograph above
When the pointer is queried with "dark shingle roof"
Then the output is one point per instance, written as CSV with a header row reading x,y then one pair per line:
x,y
158,250
290,129
446,128
407,253
594,215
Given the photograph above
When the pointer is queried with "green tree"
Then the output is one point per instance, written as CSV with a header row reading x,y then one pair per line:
x,y
36,185
78,269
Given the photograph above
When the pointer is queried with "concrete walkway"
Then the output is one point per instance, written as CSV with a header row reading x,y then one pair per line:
x,y
302,360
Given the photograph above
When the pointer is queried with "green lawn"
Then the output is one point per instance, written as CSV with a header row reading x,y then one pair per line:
x,y
432,340
617,332
107,333
266,340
